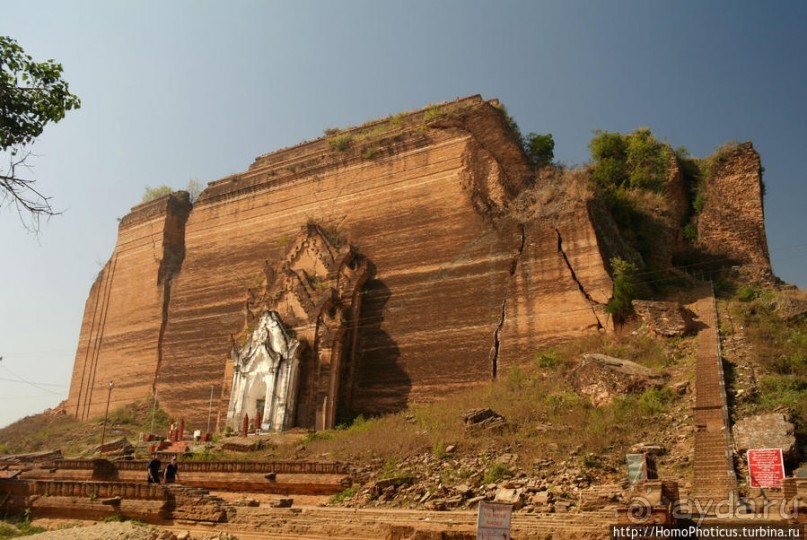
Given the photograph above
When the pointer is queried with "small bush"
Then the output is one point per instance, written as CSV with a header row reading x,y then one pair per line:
x,y
549,359
155,193
318,436
654,401
496,472
746,293
691,232
341,143
369,152
620,305
433,112
344,495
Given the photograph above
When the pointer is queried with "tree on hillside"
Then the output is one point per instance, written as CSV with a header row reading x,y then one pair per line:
x,y
621,303
32,94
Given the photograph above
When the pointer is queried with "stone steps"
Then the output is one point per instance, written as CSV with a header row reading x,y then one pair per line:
x,y
713,468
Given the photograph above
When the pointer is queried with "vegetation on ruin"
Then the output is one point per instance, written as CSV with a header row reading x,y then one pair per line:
x,y
540,148
634,161
340,143
193,188
151,193
777,355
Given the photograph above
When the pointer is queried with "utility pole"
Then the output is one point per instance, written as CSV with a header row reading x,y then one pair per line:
x,y
210,408
106,415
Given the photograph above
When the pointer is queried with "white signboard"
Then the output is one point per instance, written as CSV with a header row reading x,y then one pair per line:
x,y
493,522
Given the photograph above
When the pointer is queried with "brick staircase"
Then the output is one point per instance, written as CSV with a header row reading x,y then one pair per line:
x,y
714,479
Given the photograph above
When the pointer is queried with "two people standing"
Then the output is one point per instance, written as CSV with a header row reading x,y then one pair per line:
x,y
170,474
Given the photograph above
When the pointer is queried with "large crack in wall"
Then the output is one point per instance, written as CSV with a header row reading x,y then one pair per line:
x,y
494,351
592,303
179,208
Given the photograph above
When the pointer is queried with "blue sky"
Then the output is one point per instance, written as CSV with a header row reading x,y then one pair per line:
x,y
173,91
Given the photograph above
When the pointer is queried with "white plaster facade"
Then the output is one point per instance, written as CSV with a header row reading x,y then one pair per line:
x,y
266,377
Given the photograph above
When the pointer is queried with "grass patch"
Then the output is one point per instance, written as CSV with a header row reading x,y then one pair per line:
x,y
344,495
494,473
19,528
340,143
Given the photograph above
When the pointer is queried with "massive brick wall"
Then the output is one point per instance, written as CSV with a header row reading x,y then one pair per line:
x,y
461,287
731,225
124,314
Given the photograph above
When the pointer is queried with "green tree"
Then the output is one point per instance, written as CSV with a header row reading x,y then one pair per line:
x,y
32,95
647,160
624,274
610,154
635,161
540,148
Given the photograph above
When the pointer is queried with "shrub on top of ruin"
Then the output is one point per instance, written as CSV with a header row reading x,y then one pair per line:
x,y
150,193
341,143
647,161
433,112
194,189
636,161
369,152
155,193
540,148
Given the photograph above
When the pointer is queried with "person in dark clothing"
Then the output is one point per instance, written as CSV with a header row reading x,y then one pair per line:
x,y
171,473
153,469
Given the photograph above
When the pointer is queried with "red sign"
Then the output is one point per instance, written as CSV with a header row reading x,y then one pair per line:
x,y
766,467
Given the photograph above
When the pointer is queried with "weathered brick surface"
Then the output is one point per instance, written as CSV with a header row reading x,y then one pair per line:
x,y
458,290
124,314
732,223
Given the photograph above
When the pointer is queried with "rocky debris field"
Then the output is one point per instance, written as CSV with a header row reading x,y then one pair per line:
x,y
456,482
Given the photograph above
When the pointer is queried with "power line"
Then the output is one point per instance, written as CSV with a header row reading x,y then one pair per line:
x,y
26,381
39,383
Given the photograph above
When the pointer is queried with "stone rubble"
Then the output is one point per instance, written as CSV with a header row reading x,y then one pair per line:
x,y
428,482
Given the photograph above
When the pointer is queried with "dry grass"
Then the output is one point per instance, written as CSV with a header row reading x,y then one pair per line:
x,y
73,437
40,432
545,418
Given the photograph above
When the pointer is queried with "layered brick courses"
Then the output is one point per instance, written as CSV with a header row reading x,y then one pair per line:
x,y
731,225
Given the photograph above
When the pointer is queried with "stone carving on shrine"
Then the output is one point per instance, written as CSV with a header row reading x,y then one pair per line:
x,y
296,364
